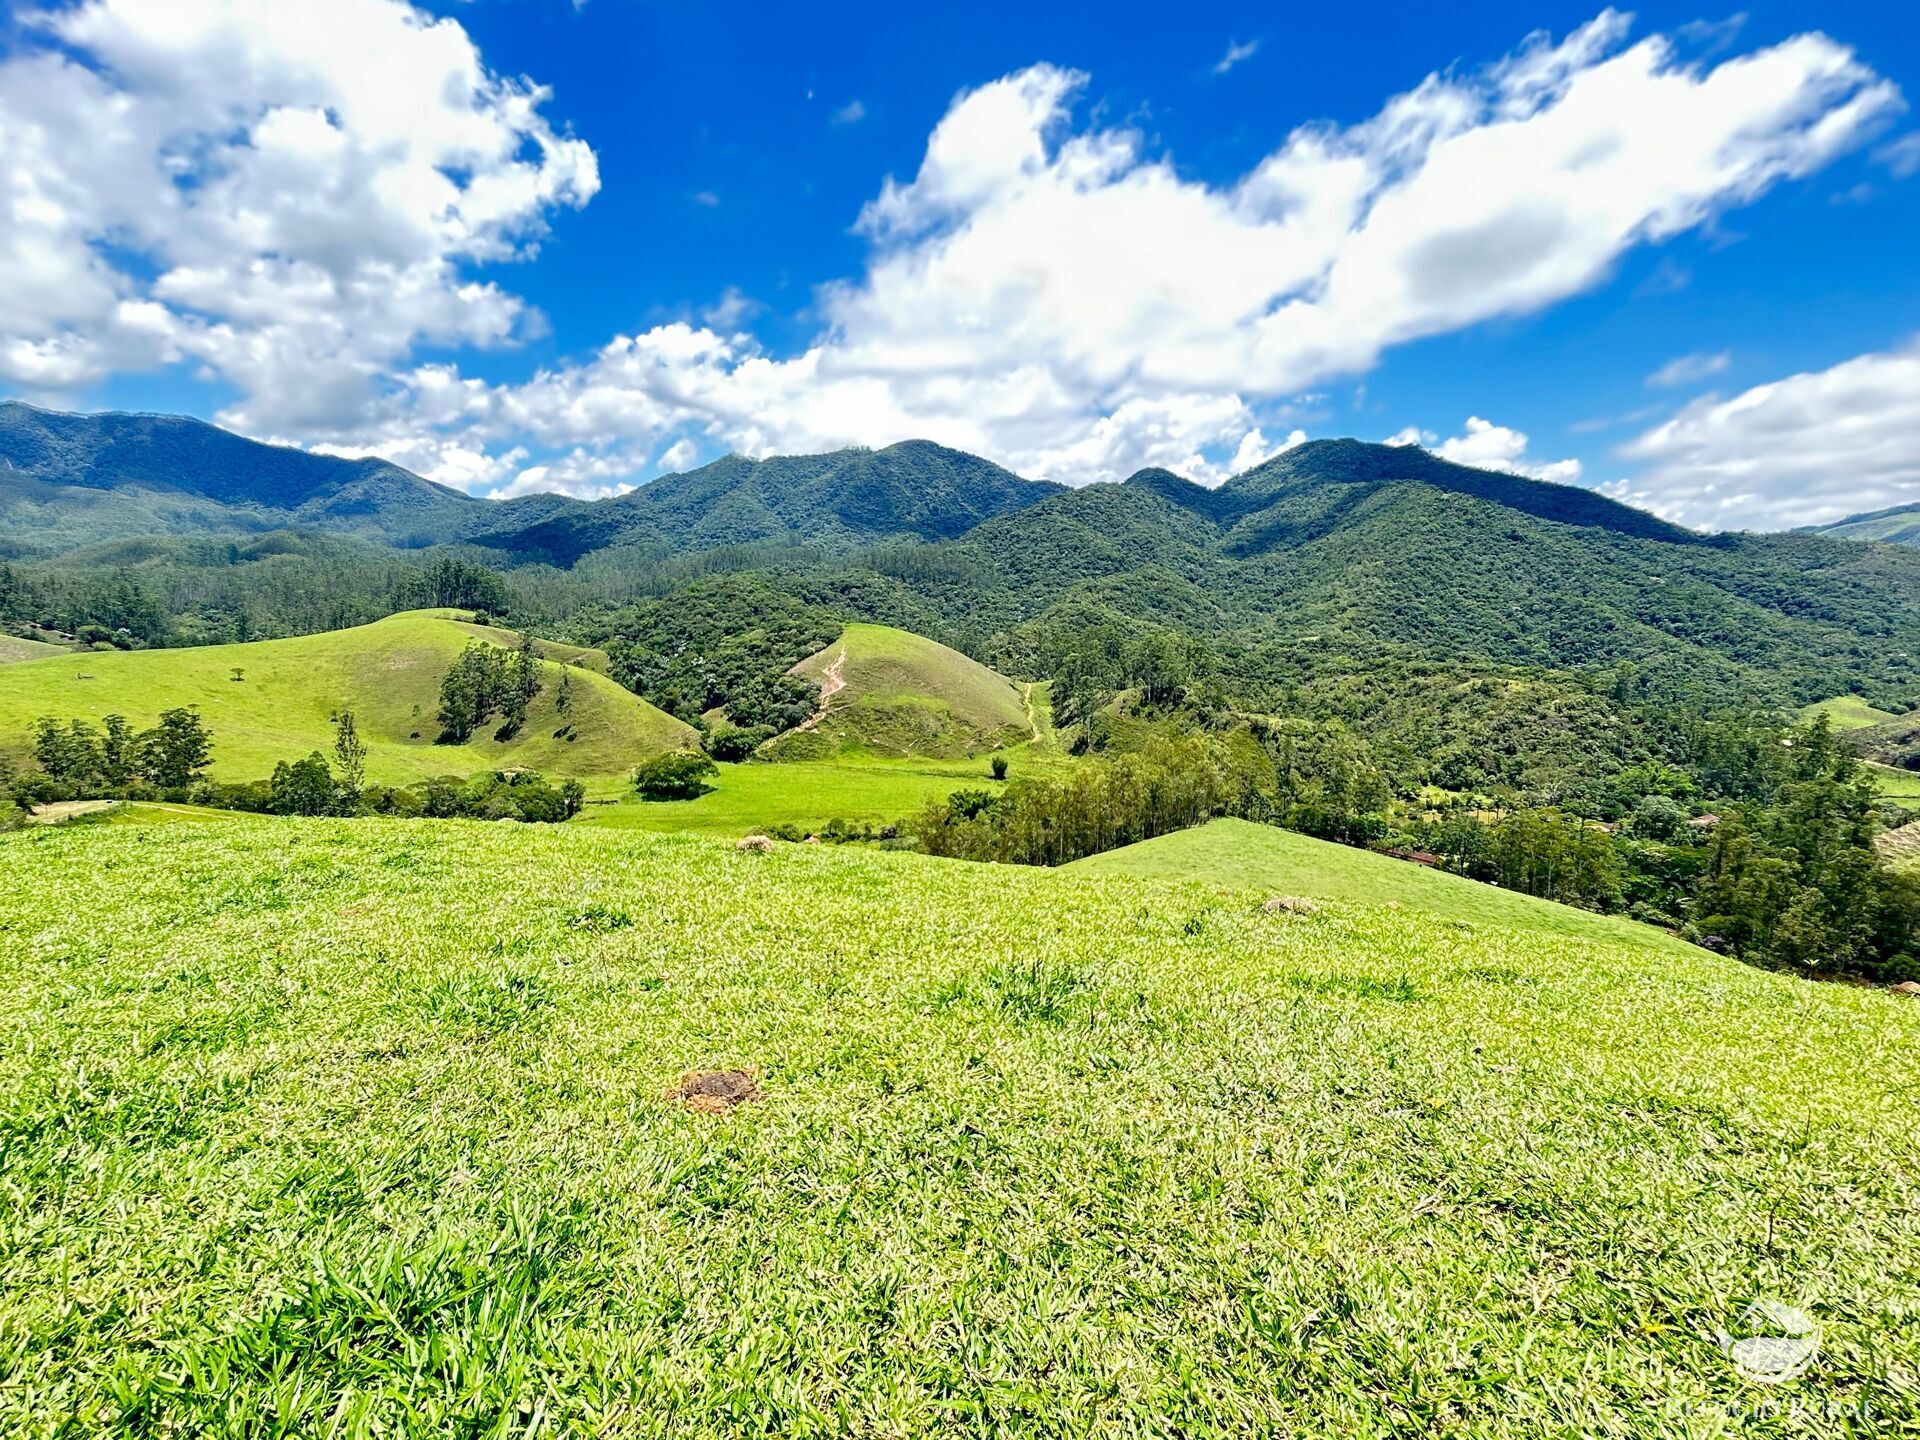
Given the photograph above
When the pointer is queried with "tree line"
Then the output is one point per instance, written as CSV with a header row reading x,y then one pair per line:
x,y
74,760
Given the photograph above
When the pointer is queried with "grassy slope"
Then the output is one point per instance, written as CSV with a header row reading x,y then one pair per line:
x,y
1241,855
1038,1152
1902,846
1847,712
15,647
388,673
908,695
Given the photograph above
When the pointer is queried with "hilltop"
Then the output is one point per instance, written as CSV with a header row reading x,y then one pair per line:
x,y
892,692
1240,855
68,481
272,700
1119,1154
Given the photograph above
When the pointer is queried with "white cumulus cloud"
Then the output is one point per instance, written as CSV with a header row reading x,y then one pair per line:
x,y
1488,446
1810,448
310,184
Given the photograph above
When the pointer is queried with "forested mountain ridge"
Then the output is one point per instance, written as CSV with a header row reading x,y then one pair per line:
x,y
69,481
914,490
1340,549
73,480
1332,554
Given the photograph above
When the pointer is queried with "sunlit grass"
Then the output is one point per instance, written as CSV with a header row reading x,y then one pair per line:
x,y
357,1128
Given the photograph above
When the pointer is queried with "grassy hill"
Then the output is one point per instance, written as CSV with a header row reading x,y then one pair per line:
x,y
382,1133
1902,846
388,673
1240,855
892,692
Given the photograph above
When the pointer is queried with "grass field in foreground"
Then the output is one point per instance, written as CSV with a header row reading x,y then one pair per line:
x,y
810,793
357,1127
388,673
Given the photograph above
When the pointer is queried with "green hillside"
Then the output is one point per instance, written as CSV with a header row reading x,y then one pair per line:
x,y
914,490
15,647
387,673
1902,846
1240,855
68,481
383,1133
892,692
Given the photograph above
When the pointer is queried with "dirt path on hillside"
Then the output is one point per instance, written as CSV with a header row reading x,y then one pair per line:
x,y
55,811
832,681
1033,710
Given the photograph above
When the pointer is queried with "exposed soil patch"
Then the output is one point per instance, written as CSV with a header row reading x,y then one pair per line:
x,y
56,811
714,1092
832,681
1290,905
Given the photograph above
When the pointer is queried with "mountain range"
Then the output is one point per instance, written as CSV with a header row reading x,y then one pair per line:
x,y
1331,551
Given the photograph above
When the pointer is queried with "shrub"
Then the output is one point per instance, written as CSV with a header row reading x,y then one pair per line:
x,y
999,767
734,743
676,775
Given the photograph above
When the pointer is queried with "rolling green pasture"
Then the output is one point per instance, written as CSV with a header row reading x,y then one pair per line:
x,y
358,1128
808,793
388,673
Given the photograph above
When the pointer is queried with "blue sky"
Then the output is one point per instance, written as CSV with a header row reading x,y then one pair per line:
x,y
677,245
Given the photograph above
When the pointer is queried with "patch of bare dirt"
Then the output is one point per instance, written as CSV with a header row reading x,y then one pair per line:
x,y
54,811
1290,905
714,1092
754,844
832,681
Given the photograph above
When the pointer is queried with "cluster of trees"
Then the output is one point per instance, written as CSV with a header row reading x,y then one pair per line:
x,y
311,787
487,680
676,775
78,760
182,590
1104,802
451,582
720,643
